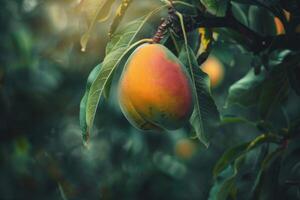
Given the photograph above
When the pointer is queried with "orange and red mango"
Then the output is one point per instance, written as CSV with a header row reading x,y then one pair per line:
x,y
155,90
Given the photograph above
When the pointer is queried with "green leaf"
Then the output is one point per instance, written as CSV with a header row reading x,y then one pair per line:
x,y
119,15
96,8
205,114
233,153
116,51
270,6
82,113
234,37
226,186
239,13
233,119
263,27
184,7
216,7
95,11
97,89
274,91
106,11
242,91
235,156
126,35
261,178
266,90
228,157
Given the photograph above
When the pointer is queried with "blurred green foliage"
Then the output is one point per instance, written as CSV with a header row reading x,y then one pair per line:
x,y
43,75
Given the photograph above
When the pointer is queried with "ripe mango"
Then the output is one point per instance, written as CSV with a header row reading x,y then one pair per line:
x,y
155,91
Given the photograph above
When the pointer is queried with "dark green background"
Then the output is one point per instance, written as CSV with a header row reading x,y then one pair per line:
x,y
42,79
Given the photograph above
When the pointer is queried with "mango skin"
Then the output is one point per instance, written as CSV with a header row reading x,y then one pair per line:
x,y
155,91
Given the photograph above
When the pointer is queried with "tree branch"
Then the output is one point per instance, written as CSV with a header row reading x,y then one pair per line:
x,y
255,42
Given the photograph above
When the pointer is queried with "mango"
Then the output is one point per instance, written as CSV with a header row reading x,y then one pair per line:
x,y
185,149
155,91
215,70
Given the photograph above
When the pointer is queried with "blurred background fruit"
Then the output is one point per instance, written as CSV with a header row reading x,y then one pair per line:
x,y
215,70
279,26
185,148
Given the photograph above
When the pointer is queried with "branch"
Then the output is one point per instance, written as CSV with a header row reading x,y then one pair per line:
x,y
255,42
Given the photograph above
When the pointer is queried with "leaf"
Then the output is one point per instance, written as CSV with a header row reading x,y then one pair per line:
x,y
89,9
119,15
107,8
239,13
184,7
274,91
234,119
267,91
275,87
263,27
127,34
235,156
94,10
229,156
233,153
97,90
234,37
116,51
266,164
216,7
290,164
205,114
206,36
242,91
270,6
223,188
83,104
